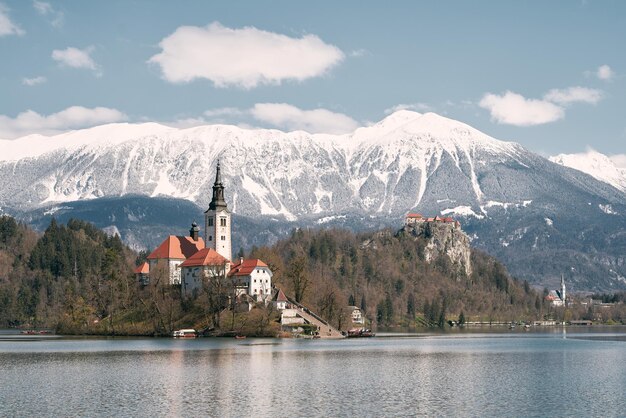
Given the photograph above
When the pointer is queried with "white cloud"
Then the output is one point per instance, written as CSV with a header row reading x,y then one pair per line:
x,y
75,117
45,9
573,95
34,81
224,111
358,53
288,117
514,109
76,58
619,160
418,107
605,73
245,57
7,27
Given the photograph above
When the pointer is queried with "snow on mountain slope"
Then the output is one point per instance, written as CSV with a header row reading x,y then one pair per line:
x,y
405,161
382,168
596,165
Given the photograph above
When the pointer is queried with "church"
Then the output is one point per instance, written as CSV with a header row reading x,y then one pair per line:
x,y
191,261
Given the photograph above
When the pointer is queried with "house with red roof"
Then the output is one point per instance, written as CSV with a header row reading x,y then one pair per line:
x,y
205,265
173,251
280,300
142,273
252,277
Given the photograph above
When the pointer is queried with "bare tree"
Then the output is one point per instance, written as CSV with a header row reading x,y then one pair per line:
x,y
218,289
298,276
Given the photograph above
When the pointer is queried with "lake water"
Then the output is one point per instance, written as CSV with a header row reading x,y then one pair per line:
x,y
577,373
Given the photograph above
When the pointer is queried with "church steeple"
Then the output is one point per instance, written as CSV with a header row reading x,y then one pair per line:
x,y
218,191
563,288
217,232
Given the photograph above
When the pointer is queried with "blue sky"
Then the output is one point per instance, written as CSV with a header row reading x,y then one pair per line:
x,y
549,75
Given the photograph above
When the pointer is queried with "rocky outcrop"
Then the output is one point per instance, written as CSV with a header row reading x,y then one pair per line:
x,y
443,239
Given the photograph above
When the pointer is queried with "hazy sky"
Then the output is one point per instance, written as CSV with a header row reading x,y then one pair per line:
x,y
550,75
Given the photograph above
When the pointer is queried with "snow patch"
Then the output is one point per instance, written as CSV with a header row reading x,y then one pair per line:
x,y
608,209
55,209
327,219
462,211
549,221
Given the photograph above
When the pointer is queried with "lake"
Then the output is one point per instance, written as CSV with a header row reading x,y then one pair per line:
x,y
555,373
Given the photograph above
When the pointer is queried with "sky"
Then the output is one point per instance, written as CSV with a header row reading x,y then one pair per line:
x,y
548,75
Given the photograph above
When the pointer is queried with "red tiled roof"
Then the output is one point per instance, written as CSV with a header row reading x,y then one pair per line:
x,y
142,268
246,267
205,257
177,247
280,296
414,215
448,219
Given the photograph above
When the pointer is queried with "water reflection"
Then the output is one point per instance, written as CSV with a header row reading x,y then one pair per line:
x,y
475,375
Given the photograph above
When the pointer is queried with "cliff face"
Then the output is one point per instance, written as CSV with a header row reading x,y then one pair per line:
x,y
443,239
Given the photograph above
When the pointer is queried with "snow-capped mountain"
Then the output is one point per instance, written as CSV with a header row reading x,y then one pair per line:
x,y
409,161
595,164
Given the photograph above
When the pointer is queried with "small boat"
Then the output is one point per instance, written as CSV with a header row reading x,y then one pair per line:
x,y
360,333
240,337
185,333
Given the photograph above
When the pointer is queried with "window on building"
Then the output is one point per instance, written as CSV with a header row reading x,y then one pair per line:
x,y
210,221
223,238
222,221
210,237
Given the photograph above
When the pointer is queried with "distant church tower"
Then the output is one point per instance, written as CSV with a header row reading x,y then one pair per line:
x,y
217,221
563,289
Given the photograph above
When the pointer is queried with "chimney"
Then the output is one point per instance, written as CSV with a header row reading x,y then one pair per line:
x,y
194,231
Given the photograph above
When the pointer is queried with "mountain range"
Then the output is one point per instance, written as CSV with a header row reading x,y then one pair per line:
x,y
540,217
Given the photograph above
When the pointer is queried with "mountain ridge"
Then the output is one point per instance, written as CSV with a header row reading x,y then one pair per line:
x,y
406,162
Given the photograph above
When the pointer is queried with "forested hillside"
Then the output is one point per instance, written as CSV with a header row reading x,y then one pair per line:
x,y
78,279
386,274
69,272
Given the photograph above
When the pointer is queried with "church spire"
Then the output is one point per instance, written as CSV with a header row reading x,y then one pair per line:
x,y
218,191
218,176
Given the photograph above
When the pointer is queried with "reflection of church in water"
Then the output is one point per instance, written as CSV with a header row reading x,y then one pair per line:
x,y
190,260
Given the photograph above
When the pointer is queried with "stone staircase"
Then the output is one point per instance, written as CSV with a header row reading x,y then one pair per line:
x,y
325,329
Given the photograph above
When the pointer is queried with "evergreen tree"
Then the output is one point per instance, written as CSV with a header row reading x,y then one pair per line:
x,y
410,306
388,309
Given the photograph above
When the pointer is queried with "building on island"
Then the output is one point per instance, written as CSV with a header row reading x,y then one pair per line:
x,y
252,277
280,300
142,273
192,262
173,251
203,266
217,220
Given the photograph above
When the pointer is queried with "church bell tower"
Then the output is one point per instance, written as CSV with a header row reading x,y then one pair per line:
x,y
217,220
